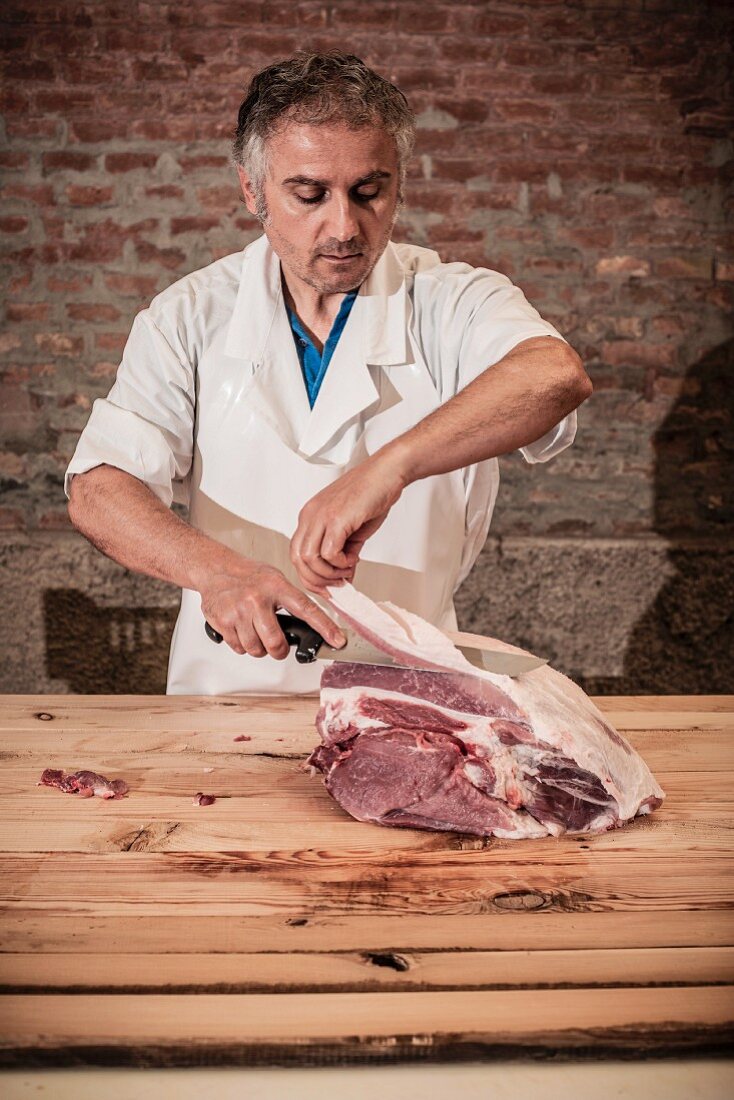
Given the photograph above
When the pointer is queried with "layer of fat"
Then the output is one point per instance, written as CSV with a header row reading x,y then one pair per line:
x,y
560,713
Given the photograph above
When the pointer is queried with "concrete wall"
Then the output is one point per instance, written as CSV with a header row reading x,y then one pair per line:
x,y
574,146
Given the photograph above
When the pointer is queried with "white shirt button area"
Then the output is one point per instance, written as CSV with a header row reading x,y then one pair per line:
x,y
209,409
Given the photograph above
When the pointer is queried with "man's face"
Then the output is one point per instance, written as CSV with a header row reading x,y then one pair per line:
x,y
331,195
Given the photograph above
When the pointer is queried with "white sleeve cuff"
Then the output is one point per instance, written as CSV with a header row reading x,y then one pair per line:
x,y
123,439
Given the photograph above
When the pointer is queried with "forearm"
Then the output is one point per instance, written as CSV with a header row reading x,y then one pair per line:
x,y
510,405
126,521
239,596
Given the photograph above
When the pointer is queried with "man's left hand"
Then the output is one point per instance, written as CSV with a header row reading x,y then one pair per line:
x,y
335,524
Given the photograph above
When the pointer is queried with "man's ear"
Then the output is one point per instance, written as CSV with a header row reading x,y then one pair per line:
x,y
247,190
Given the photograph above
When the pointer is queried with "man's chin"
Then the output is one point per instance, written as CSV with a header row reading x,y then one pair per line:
x,y
340,279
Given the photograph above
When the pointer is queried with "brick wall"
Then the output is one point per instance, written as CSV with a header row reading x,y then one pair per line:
x,y
583,148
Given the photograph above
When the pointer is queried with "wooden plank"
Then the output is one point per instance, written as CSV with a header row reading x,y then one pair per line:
x,y
286,714
320,971
681,832
239,883
388,1022
84,933
704,750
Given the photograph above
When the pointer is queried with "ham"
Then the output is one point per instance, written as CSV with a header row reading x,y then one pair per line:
x,y
447,746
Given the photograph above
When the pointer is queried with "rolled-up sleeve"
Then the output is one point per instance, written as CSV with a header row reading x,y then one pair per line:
x,y
498,317
145,424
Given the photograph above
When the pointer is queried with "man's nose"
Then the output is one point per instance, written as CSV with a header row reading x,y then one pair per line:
x,y
343,219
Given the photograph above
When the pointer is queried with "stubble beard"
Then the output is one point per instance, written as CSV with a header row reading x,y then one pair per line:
x,y
338,283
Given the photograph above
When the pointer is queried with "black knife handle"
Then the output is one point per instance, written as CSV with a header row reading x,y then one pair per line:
x,y
297,633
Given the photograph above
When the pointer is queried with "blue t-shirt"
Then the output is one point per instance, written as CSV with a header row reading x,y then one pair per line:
x,y
313,362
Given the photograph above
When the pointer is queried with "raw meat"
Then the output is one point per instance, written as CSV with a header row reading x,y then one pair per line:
x,y
84,783
204,799
448,746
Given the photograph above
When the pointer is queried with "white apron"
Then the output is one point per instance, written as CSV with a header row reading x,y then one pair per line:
x,y
261,453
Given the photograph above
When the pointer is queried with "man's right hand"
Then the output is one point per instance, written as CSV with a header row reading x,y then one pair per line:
x,y
241,603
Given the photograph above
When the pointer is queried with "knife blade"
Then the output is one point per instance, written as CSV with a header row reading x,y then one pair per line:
x,y
310,646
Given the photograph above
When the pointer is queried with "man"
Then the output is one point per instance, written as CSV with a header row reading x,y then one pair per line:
x,y
324,402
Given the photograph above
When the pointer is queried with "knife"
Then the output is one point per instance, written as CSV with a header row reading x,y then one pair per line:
x,y
310,646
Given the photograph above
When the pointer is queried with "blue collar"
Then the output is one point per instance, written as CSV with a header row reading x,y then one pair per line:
x,y
313,362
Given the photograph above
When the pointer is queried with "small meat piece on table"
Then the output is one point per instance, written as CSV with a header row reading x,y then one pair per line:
x,y
84,783
204,799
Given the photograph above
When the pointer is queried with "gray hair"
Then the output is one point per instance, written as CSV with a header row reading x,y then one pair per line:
x,y
318,89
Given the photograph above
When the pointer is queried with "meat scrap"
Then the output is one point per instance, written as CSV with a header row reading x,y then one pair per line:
x,y
84,783
204,799
447,746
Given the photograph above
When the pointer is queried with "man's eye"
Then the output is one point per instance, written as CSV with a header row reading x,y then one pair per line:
x,y
365,196
311,200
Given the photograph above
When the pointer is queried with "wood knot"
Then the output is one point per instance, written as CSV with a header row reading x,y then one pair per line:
x,y
387,958
44,716
521,900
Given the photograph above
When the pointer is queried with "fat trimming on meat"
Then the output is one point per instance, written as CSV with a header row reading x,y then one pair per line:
x,y
449,747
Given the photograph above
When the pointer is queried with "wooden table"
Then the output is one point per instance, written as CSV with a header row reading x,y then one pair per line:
x,y
270,927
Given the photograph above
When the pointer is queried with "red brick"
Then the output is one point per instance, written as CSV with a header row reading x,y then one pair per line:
x,y
461,170
97,130
56,519
155,72
224,198
171,258
105,240
589,238
529,55
523,110
30,126
635,353
65,100
59,343
526,171
623,265
19,283
477,51
171,129
68,284
499,24
129,162
90,311
89,196
194,164
165,191
421,19
685,267
10,160
724,270
40,195
13,223
193,224
92,70
134,286
27,311
12,519
111,341
103,370
67,160
553,84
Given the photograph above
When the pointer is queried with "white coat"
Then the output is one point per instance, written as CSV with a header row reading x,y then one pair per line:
x,y
209,408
